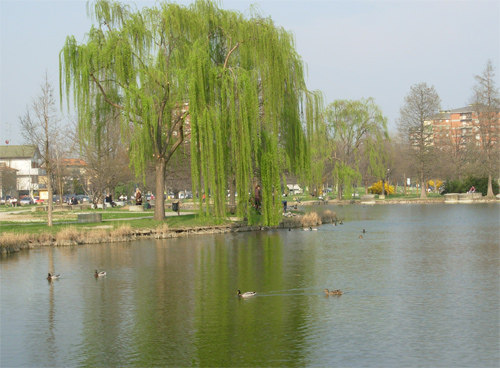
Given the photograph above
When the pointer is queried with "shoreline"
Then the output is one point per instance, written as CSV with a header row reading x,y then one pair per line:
x,y
99,233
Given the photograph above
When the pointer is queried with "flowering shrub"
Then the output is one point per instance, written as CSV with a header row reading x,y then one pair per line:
x,y
439,183
376,188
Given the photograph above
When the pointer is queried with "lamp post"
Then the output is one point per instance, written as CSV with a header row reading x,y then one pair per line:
x,y
387,181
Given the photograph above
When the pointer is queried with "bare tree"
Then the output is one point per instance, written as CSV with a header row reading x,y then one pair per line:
x,y
106,156
420,105
40,128
486,103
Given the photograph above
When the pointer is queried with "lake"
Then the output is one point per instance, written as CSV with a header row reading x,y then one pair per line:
x,y
421,289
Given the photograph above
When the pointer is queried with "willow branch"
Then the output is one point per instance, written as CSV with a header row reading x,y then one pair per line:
x,y
230,52
105,95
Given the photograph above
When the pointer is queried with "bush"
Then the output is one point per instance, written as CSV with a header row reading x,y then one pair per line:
x,y
453,186
432,186
311,219
458,186
328,216
376,188
481,185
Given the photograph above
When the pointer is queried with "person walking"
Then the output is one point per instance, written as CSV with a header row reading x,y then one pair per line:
x,y
138,197
257,198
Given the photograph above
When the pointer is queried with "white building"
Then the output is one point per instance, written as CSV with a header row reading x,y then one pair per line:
x,y
294,189
26,160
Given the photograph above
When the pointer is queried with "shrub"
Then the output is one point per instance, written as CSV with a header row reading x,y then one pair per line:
x,y
310,219
453,186
458,186
376,188
328,216
481,185
431,184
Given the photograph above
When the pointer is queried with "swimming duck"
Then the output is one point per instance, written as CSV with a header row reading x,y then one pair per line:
x,y
361,237
97,274
313,229
247,294
52,276
333,292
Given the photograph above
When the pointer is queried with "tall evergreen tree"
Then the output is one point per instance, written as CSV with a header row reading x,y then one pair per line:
x,y
240,80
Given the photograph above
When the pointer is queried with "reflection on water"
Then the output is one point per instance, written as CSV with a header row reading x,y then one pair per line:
x,y
421,288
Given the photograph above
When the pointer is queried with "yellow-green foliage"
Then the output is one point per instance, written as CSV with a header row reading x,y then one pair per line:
x,y
242,78
376,188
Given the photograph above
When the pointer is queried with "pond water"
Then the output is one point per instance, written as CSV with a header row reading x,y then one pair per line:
x,y
421,288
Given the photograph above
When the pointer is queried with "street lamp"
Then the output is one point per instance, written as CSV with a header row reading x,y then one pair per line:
x,y
387,181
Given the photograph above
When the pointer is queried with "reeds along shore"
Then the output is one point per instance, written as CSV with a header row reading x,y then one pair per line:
x,y
72,236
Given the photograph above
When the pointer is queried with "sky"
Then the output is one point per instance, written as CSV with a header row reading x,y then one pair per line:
x,y
352,49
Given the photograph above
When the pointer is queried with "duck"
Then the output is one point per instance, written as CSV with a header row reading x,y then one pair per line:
x,y
313,229
97,274
53,276
247,294
333,292
361,237
305,229
364,231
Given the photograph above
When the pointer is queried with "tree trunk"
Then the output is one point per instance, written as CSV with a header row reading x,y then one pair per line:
x,y
423,191
232,192
160,187
49,191
490,187
489,193
383,187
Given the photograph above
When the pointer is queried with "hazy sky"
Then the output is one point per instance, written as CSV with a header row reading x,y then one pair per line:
x,y
353,49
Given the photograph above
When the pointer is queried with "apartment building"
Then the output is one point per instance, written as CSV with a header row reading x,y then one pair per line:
x,y
26,160
461,127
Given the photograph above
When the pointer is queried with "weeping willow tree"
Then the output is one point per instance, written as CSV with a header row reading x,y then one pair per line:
x,y
356,128
246,95
239,80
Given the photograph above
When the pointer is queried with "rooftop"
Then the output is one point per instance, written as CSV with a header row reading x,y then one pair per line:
x,y
19,151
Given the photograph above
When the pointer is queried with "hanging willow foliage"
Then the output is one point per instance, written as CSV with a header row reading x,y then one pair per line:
x,y
242,80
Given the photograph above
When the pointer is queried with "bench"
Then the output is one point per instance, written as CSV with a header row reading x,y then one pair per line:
x,y
84,218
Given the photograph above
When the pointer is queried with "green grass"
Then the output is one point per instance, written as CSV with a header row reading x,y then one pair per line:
x,y
193,220
4,208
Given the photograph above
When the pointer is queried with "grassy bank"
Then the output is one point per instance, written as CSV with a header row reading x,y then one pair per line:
x,y
18,235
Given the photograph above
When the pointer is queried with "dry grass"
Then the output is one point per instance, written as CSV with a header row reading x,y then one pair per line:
x,y
96,236
122,231
69,235
10,240
311,219
328,216
163,228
